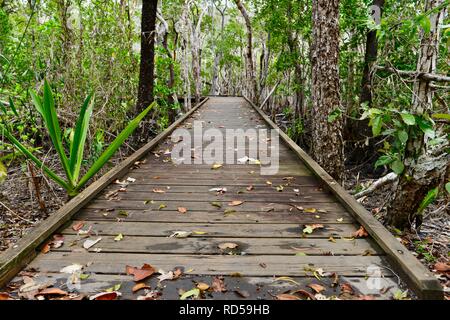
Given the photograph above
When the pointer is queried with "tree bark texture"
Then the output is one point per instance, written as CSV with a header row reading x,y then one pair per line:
x,y
327,144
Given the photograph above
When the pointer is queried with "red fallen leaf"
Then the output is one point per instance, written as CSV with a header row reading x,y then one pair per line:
x,y
139,286
5,296
52,292
182,210
305,293
78,226
140,273
218,285
285,296
347,288
45,248
105,296
360,233
316,287
442,267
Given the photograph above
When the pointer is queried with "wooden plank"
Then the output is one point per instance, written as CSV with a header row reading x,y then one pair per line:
x,y
207,206
15,258
214,216
250,246
418,277
257,287
110,263
251,230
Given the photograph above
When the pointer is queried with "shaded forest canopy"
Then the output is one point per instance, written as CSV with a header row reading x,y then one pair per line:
x,y
354,82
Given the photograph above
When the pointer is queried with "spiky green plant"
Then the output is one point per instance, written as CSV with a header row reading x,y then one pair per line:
x,y
72,164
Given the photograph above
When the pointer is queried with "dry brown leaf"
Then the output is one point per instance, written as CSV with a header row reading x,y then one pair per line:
x,y
347,288
182,210
140,286
5,296
316,287
360,233
105,296
202,286
235,203
285,296
228,245
158,191
78,226
45,248
52,292
140,273
442,267
218,285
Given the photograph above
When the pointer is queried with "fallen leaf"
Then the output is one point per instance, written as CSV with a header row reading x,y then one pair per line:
x,y
202,286
182,210
285,296
242,293
162,206
400,295
180,234
310,210
46,248
123,213
129,179
72,268
77,226
5,296
235,203
216,166
119,237
52,292
218,285
340,219
309,228
347,288
360,233
216,204
316,287
331,239
152,295
159,191
140,286
229,210
280,188
90,243
268,182
287,279
305,294
218,190
228,245
191,293
366,297
140,273
199,232
442,267
105,296
249,188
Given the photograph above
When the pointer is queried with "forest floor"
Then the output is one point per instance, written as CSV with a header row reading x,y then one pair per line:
x,y
20,211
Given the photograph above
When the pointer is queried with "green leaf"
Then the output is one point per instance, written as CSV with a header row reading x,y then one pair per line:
x,y
429,198
13,108
447,187
112,148
3,172
383,160
38,163
426,126
408,119
402,136
377,124
79,138
425,23
334,115
397,166
191,293
37,102
444,116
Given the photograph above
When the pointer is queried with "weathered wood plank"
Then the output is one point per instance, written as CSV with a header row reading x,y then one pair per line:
x,y
214,216
251,246
251,230
110,263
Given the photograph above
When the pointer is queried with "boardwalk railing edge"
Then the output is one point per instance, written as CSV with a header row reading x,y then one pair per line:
x,y
415,274
17,257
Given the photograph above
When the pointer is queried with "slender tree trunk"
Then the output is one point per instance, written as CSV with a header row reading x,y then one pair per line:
x,y
425,167
147,65
327,144
371,54
252,86
217,55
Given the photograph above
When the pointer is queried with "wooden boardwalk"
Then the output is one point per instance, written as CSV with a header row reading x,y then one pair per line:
x,y
266,228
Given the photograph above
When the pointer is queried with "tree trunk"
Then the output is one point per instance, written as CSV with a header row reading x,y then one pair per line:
x,y
327,144
252,86
215,78
425,167
147,65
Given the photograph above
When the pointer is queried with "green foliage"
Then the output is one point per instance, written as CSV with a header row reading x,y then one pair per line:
x,y
429,198
71,164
